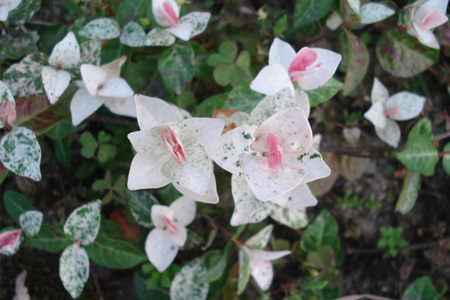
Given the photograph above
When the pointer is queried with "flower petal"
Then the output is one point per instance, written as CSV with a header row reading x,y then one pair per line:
x,y
329,61
122,106
93,77
55,83
379,92
145,172
271,79
267,255
411,105
262,272
426,37
153,111
210,197
150,142
205,131
164,219
113,69
66,53
159,37
115,87
390,134
160,250
267,183
302,101
312,163
181,31
10,241
157,6
301,197
376,114
183,210
281,52
260,239
197,20
83,105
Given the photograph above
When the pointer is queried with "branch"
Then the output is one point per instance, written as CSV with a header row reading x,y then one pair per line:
x,y
113,120
228,234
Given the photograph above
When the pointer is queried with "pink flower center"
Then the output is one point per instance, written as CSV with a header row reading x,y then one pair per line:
x,y
275,154
170,225
9,239
169,14
392,110
304,58
174,145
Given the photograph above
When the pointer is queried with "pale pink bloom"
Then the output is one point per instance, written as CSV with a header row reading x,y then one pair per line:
x,y
10,241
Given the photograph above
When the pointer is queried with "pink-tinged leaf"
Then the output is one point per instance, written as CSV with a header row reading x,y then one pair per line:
x,y
358,61
404,106
20,288
159,11
10,241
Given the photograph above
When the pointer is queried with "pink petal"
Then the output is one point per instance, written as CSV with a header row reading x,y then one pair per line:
x,y
170,225
304,58
179,145
433,19
275,152
392,110
9,239
170,148
169,14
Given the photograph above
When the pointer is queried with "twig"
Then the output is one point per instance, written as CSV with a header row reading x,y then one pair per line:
x,y
114,120
365,152
228,234
442,136
4,27
96,283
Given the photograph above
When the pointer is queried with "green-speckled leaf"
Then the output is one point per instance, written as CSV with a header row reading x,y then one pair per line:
x,y
325,92
358,61
408,196
294,218
401,55
23,13
176,66
308,11
184,287
74,269
103,28
90,52
244,269
242,98
24,78
141,203
31,222
159,37
83,223
375,12
133,35
260,239
20,153
17,43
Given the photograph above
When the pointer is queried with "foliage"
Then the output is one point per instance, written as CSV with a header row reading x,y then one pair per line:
x,y
390,239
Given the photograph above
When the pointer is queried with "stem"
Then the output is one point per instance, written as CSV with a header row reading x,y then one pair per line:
x,y
4,27
227,233
442,136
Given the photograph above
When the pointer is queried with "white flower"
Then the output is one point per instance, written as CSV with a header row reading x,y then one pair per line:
x,y
427,15
170,233
173,149
384,110
310,68
102,85
66,54
166,13
6,6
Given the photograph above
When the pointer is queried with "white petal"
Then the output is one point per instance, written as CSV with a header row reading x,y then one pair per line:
x,y
205,131
197,20
83,105
230,145
294,218
153,111
281,200
55,82
161,212
390,134
411,105
376,114
426,37
113,69
302,101
428,6
160,250
145,173
159,37
281,52
329,61
183,210
150,142
267,183
122,106
317,138
355,5
115,87
334,21
66,53
157,14
260,239
267,255
301,196
262,272
312,163
292,129
375,12
194,173
93,77
210,197
379,92
271,79
181,31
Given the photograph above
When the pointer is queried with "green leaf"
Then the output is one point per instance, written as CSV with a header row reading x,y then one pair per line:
x,y
323,258
325,92
280,26
176,66
61,130
103,28
48,239
23,13
106,152
408,196
358,61
242,98
17,43
227,54
132,10
50,35
308,11
20,153
31,222
215,263
140,286
206,108
446,159
183,284
244,269
16,204
353,168
83,223
74,269
113,50
141,74
403,56
114,254
421,289
141,203
63,153
321,232
89,143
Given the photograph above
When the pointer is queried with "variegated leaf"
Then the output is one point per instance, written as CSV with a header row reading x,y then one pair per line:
x,y
159,37
260,240
90,52
83,223
74,269
103,28
31,222
184,286
294,218
133,35
244,269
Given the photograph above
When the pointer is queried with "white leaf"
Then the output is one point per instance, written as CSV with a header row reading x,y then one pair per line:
x,y
83,105
113,69
150,142
260,239
312,163
205,131
352,135
83,223
133,35
425,36
20,289
93,77
411,105
301,197
103,28
390,134
294,218
302,101
197,20
115,87
375,12
145,172
20,153
262,272
160,250
267,255
379,92
74,269
355,5
66,53
153,111
376,114
281,52
210,197
55,83
10,241
184,210
181,31
271,79
184,286
31,222
159,37
121,106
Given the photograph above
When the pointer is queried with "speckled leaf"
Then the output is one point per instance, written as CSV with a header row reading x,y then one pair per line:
x,y
375,12
103,28
308,11
31,222
90,52
24,78
197,20
358,61
260,239
408,196
242,98
322,186
17,43
184,286
176,66
159,37
10,240
294,218
23,13
141,203
66,53
21,153
74,269
325,92
55,83
401,55
244,269
133,35
83,223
